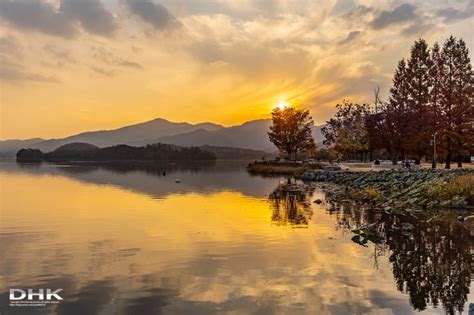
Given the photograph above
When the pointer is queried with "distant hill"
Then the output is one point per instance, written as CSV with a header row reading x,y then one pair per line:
x,y
227,153
130,135
250,135
76,147
11,147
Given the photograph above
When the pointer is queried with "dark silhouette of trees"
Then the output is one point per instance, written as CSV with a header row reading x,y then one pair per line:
x,y
431,94
448,99
29,155
463,108
437,77
346,132
122,152
291,130
380,128
397,112
419,85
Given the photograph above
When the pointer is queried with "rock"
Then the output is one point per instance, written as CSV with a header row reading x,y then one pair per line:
x,y
407,228
399,190
332,168
318,201
469,221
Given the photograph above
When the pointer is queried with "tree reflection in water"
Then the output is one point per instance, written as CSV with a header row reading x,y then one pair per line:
x,y
431,262
291,203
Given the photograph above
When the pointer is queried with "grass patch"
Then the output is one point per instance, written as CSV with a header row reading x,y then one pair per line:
x,y
455,187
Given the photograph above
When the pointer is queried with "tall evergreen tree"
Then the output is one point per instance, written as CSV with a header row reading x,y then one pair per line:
x,y
449,98
463,107
419,83
436,93
397,115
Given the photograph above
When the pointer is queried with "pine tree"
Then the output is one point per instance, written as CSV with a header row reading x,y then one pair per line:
x,y
419,83
397,112
449,98
436,93
463,107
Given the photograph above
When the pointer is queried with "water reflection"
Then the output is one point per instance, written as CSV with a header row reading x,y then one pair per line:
x,y
431,262
157,179
132,241
291,203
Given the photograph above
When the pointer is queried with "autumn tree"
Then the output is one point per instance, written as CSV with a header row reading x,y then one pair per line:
x,y
457,100
437,77
418,81
431,93
346,132
388,126
463,110
398,112
448,100
291,130
377,125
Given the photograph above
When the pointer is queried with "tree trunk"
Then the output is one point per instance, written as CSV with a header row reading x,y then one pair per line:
x,y
459,160
448,155
394,160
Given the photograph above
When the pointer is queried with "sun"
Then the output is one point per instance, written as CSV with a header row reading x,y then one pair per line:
x,y
282,104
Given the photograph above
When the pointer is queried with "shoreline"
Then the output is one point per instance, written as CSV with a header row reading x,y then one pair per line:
x,y
266,168
400,191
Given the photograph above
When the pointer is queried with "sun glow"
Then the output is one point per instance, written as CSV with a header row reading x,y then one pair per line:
x,y
281,104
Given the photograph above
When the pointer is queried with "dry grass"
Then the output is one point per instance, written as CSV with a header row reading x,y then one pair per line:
x,y
268,168
462,185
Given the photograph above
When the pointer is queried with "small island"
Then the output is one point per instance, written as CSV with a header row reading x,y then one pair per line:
x,y
87,152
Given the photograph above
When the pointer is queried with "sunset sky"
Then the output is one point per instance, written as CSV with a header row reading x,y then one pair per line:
x,y
69,66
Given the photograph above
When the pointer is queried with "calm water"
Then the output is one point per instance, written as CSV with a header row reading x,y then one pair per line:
x,y
129,240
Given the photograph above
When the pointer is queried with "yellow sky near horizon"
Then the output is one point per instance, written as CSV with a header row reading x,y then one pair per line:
x,y
69,66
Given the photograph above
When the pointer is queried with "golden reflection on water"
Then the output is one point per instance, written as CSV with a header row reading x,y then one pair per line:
x,y
216,252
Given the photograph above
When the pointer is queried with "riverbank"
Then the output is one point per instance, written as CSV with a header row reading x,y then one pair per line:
x,y
401,190
281,168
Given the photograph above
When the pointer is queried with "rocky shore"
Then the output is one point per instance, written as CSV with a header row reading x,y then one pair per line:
x,y
400,190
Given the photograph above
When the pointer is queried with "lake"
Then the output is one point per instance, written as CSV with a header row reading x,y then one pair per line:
x,y
132,240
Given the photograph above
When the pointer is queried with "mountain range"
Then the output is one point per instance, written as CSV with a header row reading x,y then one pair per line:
x,y
249,135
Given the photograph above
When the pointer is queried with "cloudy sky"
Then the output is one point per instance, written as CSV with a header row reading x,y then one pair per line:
x,y
74,65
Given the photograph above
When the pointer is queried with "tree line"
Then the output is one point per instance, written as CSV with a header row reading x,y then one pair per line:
x,y
429,113
122,152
